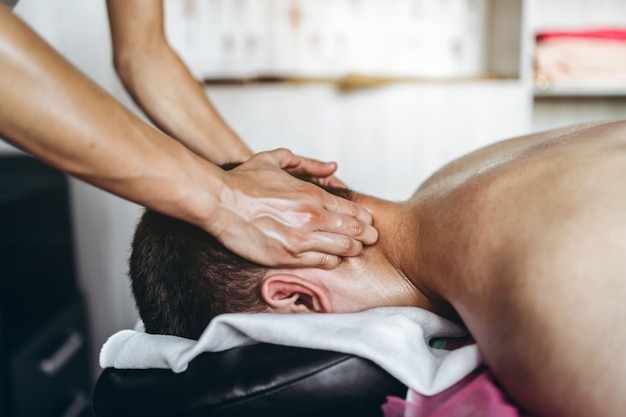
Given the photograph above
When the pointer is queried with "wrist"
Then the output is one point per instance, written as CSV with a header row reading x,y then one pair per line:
x,y
200,202
168,178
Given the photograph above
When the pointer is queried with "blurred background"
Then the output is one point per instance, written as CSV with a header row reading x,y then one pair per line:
x,y
391,90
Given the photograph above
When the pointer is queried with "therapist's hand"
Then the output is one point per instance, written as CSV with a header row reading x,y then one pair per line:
x,y
320,173
268,216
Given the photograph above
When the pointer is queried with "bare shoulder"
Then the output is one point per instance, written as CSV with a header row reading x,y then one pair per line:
x,y
539,225
600,135
555,202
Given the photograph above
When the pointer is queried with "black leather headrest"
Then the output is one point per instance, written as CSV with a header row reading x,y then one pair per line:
x,y
250,381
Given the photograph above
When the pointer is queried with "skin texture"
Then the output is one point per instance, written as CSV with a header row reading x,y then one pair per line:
x,y
58,115
524,242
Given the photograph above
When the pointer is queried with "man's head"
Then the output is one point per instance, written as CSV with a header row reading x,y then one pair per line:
x,y
182,277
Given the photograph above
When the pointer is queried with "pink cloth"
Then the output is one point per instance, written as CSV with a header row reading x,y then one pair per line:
x,y
617,34
476,395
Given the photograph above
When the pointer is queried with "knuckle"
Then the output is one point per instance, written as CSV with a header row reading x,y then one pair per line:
x,y
295,242
314,192
346,245
310,216
323,259
327,261
357,228
353,210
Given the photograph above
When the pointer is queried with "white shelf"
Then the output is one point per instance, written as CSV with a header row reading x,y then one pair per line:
x,y
577,15
581,89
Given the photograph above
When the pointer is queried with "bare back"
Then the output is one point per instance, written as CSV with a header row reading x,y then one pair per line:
x,y
527,240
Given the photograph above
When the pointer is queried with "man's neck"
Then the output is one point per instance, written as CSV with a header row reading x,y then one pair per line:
x,y
400,240
409,248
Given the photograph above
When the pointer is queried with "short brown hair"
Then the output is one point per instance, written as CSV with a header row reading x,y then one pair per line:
x,y
182,277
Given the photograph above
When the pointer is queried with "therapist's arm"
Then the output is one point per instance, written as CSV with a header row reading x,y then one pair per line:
x,y
51,110
163,87
171,97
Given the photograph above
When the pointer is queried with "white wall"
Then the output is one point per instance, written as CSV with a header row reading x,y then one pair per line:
x,y
574,14
386,140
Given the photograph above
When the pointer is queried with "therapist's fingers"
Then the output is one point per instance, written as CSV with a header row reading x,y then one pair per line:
x,y
309,169
319,260
310,253
287,160
332,181
319,249
348,218
318,172
281,157
313,168
272,218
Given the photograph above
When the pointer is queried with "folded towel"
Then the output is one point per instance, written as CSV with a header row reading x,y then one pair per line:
x,y
395,338
593,57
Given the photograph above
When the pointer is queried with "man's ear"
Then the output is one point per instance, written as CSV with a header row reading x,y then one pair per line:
x,y
287,293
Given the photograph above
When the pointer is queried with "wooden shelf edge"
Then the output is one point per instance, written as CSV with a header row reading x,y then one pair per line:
x,y
357,82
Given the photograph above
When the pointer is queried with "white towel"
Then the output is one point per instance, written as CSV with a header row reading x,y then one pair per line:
x,y
395,338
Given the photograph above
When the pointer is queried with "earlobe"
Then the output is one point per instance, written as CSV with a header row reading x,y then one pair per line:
x,y
287,293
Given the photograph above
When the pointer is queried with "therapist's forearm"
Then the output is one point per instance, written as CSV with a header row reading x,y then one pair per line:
x,y
163,86
51,110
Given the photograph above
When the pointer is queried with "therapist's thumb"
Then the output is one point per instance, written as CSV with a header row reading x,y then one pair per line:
x,y
281,157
